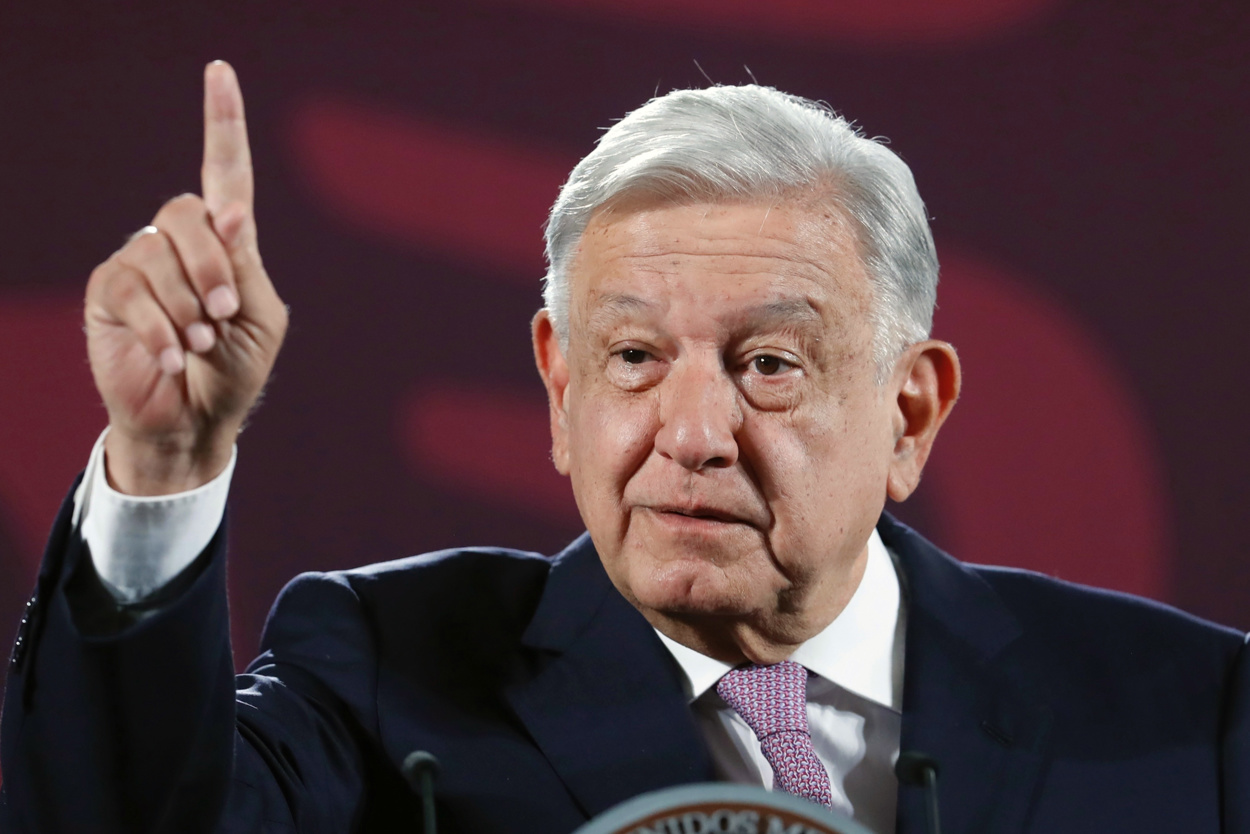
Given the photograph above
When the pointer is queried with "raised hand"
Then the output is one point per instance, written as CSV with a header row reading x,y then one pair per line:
x,y
183,324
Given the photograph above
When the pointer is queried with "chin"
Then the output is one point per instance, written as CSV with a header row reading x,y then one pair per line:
x,y
689,588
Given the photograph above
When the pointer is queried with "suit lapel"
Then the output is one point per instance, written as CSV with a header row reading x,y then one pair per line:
x,y
604,700
965,699
605,704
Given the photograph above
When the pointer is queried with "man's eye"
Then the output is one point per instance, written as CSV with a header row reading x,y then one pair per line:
x,y
769,365
634,356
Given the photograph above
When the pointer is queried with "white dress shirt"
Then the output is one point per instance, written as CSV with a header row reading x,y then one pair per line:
x,y
855,681
140,543
854,700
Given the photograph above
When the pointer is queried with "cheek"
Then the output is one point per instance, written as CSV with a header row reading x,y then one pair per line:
x,y
823,475
610,435
800,487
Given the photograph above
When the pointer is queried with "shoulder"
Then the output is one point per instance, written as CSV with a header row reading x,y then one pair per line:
x,y
489,571
474,577
1064,630
1051,604
1121,673
462,604
1142,654
1067,607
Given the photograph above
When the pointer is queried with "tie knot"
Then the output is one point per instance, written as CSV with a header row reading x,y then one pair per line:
x,y
771,699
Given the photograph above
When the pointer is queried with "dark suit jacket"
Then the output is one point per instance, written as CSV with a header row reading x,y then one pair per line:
x,y
548,698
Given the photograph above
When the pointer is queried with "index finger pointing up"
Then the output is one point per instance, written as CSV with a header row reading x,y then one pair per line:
x,y
227,173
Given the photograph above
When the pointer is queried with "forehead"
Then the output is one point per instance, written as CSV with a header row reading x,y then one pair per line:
x,y
781,259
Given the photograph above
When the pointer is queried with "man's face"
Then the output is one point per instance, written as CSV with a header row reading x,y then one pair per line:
x,y
719,415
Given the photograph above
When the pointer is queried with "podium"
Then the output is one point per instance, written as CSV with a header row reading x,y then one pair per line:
x,y
720,808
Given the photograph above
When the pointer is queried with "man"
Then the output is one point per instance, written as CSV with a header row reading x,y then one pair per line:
x,y
735,347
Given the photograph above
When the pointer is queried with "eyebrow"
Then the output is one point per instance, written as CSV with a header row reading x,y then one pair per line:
x,y
614,305
618,302
787,312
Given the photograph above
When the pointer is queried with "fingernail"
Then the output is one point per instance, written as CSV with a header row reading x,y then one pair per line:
x,y
172,361
201,337
222,303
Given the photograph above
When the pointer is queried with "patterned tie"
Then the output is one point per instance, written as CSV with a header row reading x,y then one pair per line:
x,y
773,702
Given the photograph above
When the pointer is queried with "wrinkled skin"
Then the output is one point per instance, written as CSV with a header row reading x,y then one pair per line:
x,y
719,413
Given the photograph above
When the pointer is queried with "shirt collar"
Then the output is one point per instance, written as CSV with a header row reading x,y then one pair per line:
x,y
861,650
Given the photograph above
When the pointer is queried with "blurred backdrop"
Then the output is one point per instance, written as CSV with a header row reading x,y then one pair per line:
x,y
1084,163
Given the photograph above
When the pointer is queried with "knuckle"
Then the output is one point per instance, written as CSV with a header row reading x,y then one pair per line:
x,y
180,308
99,278
156,333
121,287
207,267
185,202
184,309
181,209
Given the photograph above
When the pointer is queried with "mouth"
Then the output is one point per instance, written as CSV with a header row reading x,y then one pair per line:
x,y
697,516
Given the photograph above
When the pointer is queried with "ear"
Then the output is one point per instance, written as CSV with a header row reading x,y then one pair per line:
x,y
927,379
554,369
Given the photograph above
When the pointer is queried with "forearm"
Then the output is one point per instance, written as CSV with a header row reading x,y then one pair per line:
x,y
110,731
120,723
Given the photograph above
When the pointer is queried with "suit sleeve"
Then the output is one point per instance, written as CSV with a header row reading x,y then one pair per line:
x,y
131,719
1236,748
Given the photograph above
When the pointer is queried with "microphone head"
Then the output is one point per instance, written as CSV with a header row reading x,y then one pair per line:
x,y
419,762
911,766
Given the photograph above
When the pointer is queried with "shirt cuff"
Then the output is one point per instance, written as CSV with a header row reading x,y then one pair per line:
x,y
139,543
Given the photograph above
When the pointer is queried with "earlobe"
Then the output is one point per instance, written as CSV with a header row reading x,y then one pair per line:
x,y
554,370
928,379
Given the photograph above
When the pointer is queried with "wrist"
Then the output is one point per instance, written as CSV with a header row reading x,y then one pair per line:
x,y
164,465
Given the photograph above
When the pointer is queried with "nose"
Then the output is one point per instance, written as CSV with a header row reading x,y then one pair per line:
x,y
700,415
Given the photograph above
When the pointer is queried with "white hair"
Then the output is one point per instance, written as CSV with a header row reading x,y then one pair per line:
x,y
757,143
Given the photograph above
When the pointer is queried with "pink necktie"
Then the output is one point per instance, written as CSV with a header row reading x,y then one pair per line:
x,y
773,702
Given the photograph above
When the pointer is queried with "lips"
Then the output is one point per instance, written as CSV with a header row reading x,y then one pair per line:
x,y
703,513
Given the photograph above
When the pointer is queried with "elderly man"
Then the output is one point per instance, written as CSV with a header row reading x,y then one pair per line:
x,y
735,347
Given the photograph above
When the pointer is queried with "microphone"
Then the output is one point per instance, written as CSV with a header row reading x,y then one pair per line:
x,y
420,768
920,770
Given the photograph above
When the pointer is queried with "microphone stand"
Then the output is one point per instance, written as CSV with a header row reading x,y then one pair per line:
x,y
919,770
420,768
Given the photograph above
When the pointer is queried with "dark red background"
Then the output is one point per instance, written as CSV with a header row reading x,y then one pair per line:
x,y
1084,162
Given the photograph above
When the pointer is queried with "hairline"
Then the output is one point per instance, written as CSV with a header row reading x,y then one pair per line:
x,y
755,144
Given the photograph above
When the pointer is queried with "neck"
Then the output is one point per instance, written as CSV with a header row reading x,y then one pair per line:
x,y
733,644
